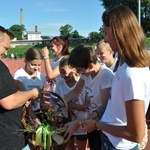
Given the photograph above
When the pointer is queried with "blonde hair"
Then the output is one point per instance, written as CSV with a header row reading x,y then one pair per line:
x,y
103,44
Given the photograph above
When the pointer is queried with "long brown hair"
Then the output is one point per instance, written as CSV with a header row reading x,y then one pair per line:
x,y
64,41
128,35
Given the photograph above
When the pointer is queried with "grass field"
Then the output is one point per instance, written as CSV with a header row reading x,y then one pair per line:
x,y
21,50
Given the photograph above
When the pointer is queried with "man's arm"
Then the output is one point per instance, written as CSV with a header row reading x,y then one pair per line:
x,y
18,99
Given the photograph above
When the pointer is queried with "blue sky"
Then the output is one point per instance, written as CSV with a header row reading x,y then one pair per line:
x,y
49,15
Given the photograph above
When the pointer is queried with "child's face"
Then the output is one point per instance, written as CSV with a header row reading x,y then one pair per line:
x,y
67,73
33,66
104,54
56,49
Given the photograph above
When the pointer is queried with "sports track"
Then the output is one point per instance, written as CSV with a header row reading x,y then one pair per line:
x,y
14,65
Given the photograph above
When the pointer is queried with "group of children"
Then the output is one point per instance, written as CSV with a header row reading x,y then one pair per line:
x,y
102,96
107,100
63,76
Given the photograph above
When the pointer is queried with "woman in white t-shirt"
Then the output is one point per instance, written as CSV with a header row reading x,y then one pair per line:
x,y
123,122
77,108
59,48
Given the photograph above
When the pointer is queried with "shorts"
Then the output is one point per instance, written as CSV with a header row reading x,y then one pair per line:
x,y
80,137
94,140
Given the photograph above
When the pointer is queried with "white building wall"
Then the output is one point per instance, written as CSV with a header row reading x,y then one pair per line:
x,y
34,37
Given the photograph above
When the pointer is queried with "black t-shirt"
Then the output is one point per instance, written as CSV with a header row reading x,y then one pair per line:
x,y
11,136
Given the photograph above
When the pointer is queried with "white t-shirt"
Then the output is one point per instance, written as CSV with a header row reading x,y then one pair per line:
x,y
55,63
94,86
30,83
129,83
62,89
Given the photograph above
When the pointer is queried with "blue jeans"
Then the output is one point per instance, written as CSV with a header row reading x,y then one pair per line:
x,y
107,145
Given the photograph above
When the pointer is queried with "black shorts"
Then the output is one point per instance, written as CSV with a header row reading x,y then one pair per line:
x,y
80,137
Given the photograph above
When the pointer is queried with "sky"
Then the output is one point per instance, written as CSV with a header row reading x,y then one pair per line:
x,y
49,15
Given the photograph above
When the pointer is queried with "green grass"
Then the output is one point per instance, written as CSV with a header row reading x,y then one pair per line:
x,y
148,41
21,50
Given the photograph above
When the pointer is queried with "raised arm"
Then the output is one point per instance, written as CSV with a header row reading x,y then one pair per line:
x,y
51,73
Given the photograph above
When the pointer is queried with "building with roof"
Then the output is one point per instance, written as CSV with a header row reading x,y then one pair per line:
x,y
33,35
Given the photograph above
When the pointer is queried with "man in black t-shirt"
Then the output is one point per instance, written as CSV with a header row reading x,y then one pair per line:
x,y
11,101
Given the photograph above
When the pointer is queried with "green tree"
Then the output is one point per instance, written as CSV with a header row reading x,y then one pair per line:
x,y
101,32
66,30
17,30
94,37
75,34
133,5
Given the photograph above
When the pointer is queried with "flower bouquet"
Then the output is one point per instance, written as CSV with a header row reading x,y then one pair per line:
x,y
45,129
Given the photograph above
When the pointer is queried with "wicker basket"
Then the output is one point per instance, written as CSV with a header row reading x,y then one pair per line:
x,y
46,126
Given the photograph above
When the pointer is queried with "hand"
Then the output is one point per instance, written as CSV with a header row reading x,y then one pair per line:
x,y
46,87
72,127
88,125
36,93
45,51
27,103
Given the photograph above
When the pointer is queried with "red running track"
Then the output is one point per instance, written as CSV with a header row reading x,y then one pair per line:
x,y
14,65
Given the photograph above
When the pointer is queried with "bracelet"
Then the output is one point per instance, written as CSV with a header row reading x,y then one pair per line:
x,y
97,113
46,57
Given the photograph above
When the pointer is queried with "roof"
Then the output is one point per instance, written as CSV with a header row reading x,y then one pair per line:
x,y
33,32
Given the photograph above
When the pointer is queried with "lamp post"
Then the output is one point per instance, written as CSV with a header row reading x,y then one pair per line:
x,y
139,11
